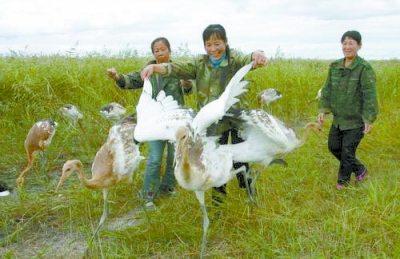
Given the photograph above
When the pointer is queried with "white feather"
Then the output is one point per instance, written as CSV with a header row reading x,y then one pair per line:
x,y
265,138
159,119
215,110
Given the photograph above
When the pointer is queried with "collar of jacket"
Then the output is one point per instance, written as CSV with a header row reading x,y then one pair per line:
x,y
357,60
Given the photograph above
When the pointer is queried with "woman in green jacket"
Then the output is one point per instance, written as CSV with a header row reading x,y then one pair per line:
x,y
153,184
212,73
350,94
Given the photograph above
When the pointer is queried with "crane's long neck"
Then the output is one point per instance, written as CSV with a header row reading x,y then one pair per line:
x,y
188,156
309,126
89,183
182,157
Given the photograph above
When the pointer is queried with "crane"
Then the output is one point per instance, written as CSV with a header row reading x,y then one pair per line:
x,y
200,163
115,161
37,140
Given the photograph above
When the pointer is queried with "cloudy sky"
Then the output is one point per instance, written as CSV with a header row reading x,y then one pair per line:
x,y
292,28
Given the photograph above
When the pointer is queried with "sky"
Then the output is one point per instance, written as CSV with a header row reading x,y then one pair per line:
x,y
309,29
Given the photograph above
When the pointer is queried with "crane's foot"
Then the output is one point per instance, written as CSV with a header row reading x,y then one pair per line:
x,y
251,177
279,161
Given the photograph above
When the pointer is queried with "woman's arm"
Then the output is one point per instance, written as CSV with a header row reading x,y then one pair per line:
x,y
163,69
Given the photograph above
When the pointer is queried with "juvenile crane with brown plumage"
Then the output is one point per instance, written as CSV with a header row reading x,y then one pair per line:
x,y
38,139
116,160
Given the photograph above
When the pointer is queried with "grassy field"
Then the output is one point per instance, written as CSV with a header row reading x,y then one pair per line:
x,y
299,213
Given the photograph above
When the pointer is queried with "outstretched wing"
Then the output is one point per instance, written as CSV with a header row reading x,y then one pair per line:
x,y
158,119
267,126
148,107
215,110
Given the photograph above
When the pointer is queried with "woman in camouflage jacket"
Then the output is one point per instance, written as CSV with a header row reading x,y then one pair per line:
x,y
212,73
350,94
172,85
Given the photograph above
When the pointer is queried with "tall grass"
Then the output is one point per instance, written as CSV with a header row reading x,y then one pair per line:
x,y
299,214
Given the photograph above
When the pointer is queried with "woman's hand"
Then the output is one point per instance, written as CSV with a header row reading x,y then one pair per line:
x,y
321,118
147,72
367,128
112,73
187,84
259,59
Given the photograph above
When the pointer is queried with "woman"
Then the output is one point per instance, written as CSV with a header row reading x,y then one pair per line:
x,y
212,73
153,185
350,95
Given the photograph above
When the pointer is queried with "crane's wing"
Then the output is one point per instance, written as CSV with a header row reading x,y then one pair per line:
x,y
123,150
271,128
158,119
147,106
215,110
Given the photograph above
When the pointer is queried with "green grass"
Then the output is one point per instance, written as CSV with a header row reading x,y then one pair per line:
x,y
299,214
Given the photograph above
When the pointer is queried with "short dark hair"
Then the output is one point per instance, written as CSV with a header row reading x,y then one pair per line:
x,y
160,39
216,29
355,35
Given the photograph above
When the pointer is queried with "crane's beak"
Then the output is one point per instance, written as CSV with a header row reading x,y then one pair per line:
x,y
62,180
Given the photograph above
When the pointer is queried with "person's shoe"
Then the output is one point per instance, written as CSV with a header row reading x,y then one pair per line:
x,y
150,206
339,186
4,189
361,176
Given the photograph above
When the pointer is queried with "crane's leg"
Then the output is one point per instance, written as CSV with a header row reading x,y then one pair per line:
x,y
102,219
104,216
206,221
22,175
251,188
43,159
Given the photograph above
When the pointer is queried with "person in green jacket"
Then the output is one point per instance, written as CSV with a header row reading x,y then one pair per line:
x,y
350,94
212,72
153,184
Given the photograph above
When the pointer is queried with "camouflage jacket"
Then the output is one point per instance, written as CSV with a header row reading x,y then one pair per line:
x,y
210,81
350,93
171,85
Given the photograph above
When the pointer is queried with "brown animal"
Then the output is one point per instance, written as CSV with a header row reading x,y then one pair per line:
x,y
38,139
116,160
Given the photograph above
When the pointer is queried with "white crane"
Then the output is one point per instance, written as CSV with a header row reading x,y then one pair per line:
x,y
200,164
266,138
268,96
113,111
71,112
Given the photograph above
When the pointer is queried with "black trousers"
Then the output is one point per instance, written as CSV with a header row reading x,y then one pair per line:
x,y
220,192
343,145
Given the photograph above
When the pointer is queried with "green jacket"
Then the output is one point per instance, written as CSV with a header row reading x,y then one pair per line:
x,y
171,85
210,81
350,94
